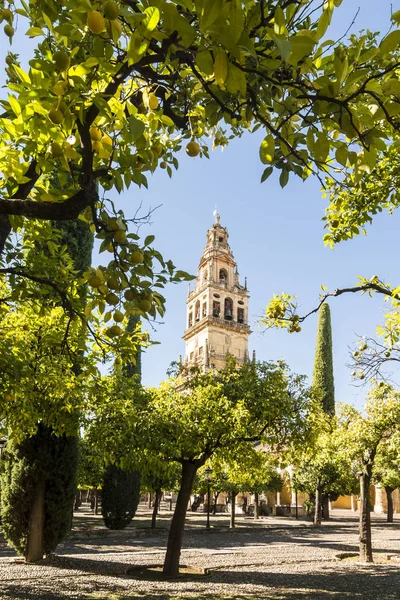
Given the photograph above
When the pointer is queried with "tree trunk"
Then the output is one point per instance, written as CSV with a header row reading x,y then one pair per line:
x,y
35,546
157,500
389,492
325,507
233,511
365,516
256,506
215,500
96,501
149,500
317,507
175,536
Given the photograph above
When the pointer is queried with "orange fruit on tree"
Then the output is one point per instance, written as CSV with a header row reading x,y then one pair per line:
x,y
136,257
193,149
129,295
9,30
153,101
118,316
114,331
111,10
61,60
7,15
95,281
113,283
95,134
96,22
145,305
112,299
56,116
120,236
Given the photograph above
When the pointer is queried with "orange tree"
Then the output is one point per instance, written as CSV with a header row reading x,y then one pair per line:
x,y
188,419
114,89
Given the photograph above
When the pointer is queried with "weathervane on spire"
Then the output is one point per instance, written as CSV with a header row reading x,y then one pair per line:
x,y
216,216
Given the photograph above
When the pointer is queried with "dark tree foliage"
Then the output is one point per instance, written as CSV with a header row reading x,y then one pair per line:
x,y
323,381
42,456
79,241
134,368
118,510
120,496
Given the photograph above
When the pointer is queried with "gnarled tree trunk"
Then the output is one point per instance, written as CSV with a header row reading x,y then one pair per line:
x,y
317,507
232,524
365,515
325,507
389,497
175,536
35,549
256,506
157,500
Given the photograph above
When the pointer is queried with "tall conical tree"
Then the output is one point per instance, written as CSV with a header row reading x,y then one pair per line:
x,y
121,488
323,389
323,382
40,473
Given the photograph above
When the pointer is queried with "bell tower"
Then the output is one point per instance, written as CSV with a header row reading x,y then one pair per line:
x,y
217,308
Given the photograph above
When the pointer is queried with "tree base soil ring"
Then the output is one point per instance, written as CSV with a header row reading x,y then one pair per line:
x,y
155,572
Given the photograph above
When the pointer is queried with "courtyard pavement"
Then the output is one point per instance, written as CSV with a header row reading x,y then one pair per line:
x,y
273,558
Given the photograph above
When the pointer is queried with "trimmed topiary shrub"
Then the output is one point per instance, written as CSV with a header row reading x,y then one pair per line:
x,y
119,497
43,459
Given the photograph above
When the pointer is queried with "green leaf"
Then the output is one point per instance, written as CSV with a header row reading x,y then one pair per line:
x,y
390,42
204,61
396,17
22,76
342,154
302,46
136,127
14,105
323,23
220,67
284,177
267,149
284,46
152,18
34,31
279,21
236,80
267,172
149,240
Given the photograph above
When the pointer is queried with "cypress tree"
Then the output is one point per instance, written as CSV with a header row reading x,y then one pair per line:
x,y
323,381
120,496
42,465
39,479
120,493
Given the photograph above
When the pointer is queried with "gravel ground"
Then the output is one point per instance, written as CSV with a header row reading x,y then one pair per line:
x,y
274,558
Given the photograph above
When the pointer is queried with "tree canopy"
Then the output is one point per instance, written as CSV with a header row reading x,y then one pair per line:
x,y
113,92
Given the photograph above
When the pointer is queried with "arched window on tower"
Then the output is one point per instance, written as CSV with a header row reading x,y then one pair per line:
x,y
190,321
197,311
228,309
223,276
216,308
240,315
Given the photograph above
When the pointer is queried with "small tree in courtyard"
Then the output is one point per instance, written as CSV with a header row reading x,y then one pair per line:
x,y
361,437
188,419
120,496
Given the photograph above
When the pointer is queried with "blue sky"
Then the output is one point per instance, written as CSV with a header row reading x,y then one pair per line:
x,y
276,238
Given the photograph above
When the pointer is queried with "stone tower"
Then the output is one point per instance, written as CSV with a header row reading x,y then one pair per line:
x,y
217,308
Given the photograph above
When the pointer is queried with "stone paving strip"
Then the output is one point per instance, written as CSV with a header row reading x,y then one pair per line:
x,y
252,562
